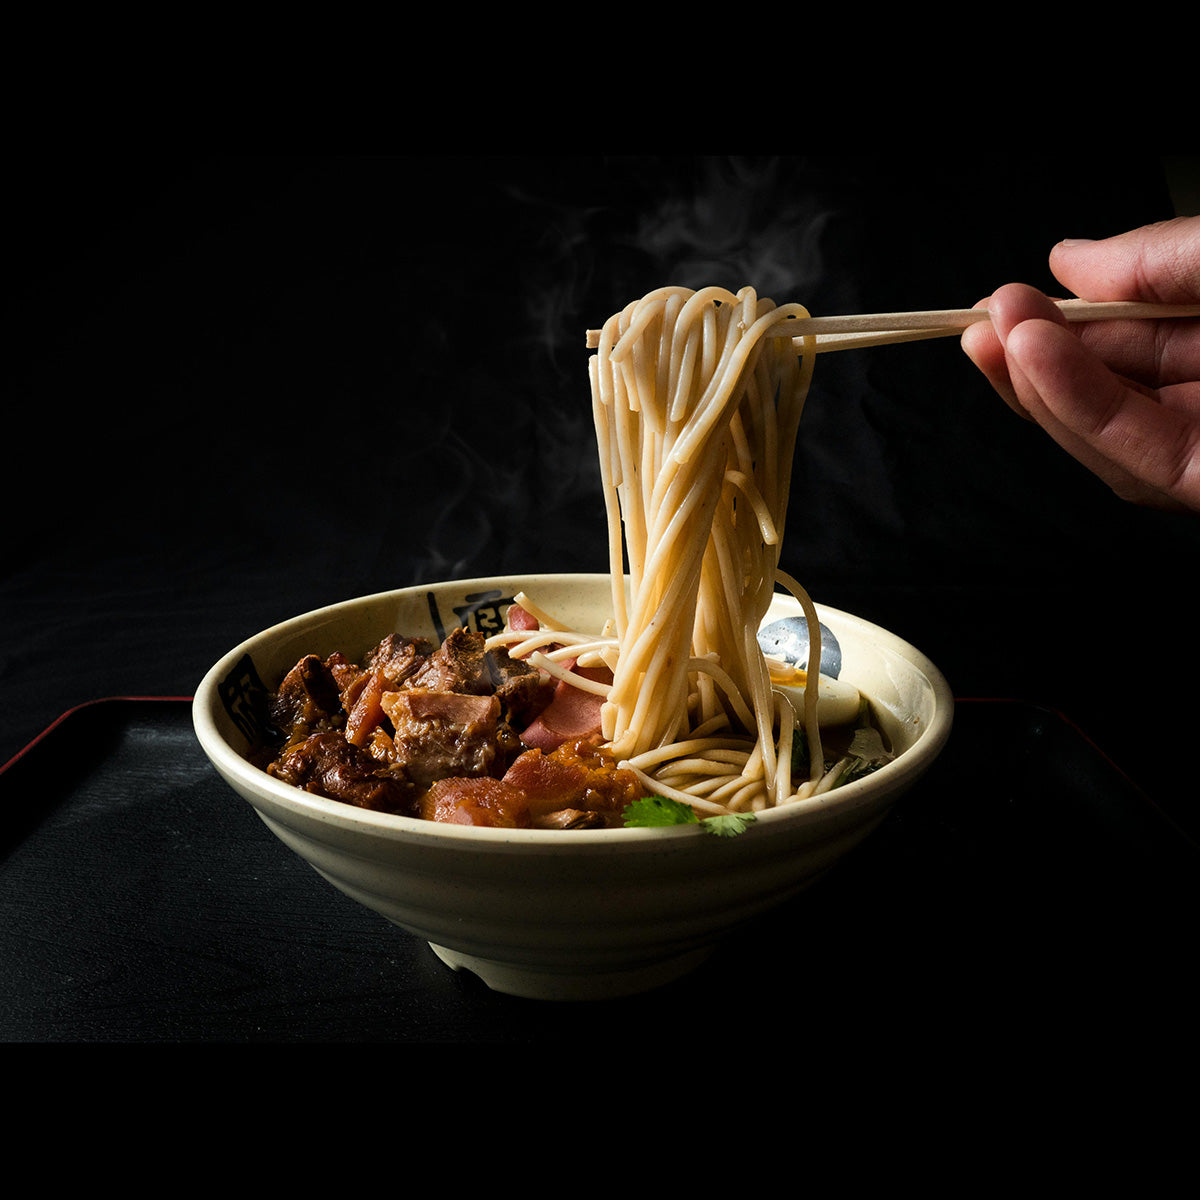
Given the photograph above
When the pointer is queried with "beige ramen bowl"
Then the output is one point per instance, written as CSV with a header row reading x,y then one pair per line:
x,y
564,915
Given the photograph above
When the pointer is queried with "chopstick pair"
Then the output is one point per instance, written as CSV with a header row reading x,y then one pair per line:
x,y
882,329
878,329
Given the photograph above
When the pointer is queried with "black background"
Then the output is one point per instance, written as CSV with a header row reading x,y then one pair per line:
x,y
241,387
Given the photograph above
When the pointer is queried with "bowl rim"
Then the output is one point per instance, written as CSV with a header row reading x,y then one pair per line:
x,y
232,765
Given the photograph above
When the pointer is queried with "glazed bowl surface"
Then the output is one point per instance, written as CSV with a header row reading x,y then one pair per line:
x,y
552,914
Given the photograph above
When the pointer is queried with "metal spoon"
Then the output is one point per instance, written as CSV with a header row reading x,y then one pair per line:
x,y
788,639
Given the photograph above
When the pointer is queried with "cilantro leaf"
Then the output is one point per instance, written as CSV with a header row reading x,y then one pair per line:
x,y
656,811
728,824
652,812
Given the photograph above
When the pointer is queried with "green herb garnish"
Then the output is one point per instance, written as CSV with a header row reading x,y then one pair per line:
x,y
727,824
653,811
656,812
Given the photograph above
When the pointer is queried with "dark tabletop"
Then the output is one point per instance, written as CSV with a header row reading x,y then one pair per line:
x,y
245,387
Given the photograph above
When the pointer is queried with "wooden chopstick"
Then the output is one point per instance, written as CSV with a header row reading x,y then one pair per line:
x,y
881,329
959,318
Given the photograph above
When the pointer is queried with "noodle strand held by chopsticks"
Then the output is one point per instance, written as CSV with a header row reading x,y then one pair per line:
x,y
696,411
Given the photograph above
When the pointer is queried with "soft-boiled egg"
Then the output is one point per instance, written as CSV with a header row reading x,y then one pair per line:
x,y
838,702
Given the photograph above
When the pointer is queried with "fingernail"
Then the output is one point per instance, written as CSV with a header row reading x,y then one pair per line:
x,y
1069,242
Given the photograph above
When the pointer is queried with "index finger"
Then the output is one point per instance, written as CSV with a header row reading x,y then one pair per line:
x,y
1158,263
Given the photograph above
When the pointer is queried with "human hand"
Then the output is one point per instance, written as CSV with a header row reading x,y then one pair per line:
x,y
1123,397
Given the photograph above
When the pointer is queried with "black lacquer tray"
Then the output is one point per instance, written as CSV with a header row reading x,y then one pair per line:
x,y
1025,884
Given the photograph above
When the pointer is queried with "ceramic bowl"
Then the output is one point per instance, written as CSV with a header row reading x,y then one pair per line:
x,y
566,915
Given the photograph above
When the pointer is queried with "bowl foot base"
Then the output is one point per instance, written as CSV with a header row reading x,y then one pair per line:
x,y
515,980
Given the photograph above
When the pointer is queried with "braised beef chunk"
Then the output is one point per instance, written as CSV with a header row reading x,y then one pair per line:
x,y
397,657
523,690
441,734
346,675
328,765
308,700
578,776
483,801
459,664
